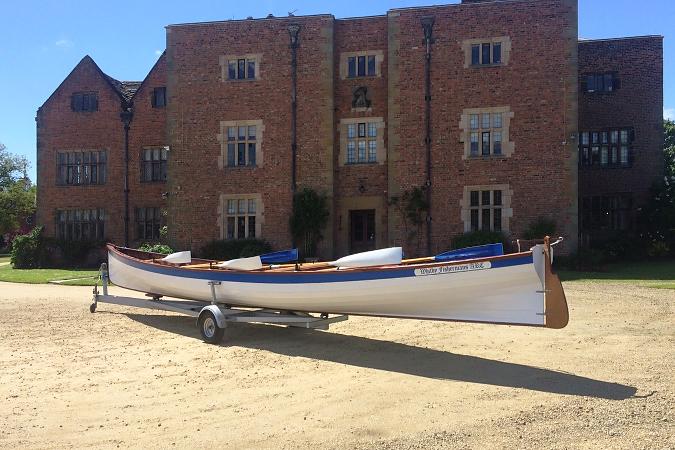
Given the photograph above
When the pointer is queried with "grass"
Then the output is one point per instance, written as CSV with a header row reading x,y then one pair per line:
x,y
4,259
654,274
41,276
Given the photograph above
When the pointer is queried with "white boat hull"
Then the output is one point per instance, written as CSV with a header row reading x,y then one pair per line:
x,y
506,290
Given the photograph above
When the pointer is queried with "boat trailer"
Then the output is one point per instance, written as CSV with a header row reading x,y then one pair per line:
x,y
212,318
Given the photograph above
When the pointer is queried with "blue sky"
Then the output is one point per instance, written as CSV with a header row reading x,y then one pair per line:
x,y
41,41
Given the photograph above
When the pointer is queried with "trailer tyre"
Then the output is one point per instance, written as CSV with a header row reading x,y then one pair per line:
x,y
209,329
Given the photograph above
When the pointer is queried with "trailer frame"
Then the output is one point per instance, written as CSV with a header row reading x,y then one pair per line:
x,y
213,317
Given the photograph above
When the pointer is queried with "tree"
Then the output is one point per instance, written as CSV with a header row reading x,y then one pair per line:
x,y
669,147
656,221
309,218
17,194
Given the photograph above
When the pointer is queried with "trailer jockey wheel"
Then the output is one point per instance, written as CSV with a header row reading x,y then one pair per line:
x,y
92,308
209,329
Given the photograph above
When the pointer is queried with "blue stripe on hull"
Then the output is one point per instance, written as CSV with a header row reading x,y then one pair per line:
x,y
338,276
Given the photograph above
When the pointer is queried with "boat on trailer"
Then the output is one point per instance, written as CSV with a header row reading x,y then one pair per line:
x,y
477,284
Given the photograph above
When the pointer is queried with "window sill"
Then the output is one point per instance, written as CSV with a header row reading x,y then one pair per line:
x,y
62,185
249,166
481,66
361,77
240,80
364,163
608,166
486,157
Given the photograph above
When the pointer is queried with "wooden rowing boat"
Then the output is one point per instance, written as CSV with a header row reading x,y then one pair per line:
x,y
515,289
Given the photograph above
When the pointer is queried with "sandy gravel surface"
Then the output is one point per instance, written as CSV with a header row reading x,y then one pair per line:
x,y
134,378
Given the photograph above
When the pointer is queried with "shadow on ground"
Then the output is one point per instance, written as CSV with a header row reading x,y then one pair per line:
x,y
395,357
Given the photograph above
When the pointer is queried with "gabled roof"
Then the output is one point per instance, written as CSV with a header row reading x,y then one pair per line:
x,y
140,85
124,89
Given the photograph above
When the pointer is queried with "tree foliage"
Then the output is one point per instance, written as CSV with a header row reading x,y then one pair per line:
x,y
309,218
656,221
669,147
17,194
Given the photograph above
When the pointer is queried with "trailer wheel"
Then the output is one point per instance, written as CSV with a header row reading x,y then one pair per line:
x,y
209,329
92,308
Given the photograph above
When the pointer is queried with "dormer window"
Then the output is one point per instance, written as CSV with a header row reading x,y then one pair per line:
x,y
84,102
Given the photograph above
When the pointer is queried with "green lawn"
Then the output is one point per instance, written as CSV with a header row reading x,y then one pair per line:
x,y
4,259
38,276
655,274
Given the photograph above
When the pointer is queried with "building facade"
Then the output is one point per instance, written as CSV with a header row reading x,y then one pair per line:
x,y
474,109
620,131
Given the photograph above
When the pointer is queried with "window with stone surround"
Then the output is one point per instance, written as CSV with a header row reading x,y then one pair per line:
x,y
154,163
362,141
367,63
240,67
241,143
606,148
81,168
486,132
80,224
240,216
486,208
488,52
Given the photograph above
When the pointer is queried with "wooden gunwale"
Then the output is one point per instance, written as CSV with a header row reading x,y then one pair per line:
x,y
272,272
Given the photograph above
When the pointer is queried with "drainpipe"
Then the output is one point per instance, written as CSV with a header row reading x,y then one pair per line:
x,y
427,26
293,31
126,116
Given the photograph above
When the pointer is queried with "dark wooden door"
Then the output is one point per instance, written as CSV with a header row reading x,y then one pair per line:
x,y
361,230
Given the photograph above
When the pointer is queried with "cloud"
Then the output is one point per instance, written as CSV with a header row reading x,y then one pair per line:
x,y
158,52
669,113
64,43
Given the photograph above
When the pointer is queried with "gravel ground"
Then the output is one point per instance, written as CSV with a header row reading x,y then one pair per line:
x,y
135,378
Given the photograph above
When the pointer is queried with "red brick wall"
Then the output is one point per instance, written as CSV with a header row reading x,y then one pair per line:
x,y
59,128
538,84
148,129
199,100
637,104
354,35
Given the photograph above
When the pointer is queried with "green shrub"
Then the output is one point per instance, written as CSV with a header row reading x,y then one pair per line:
x,y
156,248
540,228
28,250
235,248
473,238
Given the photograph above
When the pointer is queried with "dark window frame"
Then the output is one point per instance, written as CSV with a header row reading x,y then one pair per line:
x,y
609,143
81,168
154,163
600,82
148,222
158,97
242,69
481,205
84,102
362,66
487,54
80,224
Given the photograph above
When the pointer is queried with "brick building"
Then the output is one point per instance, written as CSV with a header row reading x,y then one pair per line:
x,y
476,106
620,131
